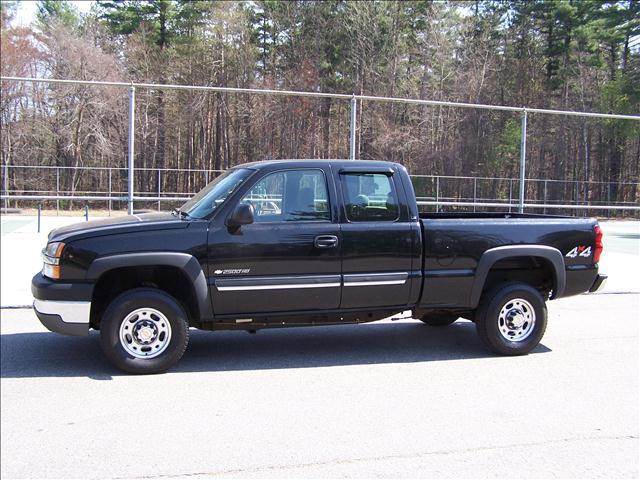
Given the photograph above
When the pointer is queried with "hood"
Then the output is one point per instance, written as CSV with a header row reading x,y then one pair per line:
x,y
114,225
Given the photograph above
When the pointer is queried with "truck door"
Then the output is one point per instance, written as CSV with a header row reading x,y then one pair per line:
x,y
289,258
377,242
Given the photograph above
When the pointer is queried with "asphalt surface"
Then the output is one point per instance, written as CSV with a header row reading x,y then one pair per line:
x,y
387,399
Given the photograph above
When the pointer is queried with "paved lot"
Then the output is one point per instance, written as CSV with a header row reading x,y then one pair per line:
x,y
395,399
386,399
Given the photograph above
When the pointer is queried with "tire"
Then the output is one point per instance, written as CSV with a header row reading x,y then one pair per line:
x,y
511,319
439,319
157,328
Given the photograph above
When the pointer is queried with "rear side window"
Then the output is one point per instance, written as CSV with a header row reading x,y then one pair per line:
x,y
291,195
370,197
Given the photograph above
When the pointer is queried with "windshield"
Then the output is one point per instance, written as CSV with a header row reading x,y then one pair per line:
x,y
210,197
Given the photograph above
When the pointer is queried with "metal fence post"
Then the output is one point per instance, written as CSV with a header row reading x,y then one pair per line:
x,y
437,194
132,115
475,185
109,203
5,185
159,183
523,159
86,212
544,200
352,130
510,193
57,191
39,213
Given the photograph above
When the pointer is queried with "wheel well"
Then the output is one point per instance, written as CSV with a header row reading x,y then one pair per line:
x,y
171,280
535,271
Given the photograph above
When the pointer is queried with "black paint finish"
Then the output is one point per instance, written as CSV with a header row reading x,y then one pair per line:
x,y
299,272
44,288
458,244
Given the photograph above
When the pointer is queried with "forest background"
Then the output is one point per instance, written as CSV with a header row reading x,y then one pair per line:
x,y
566,54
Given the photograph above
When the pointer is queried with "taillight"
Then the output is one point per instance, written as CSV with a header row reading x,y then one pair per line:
x,y
599,244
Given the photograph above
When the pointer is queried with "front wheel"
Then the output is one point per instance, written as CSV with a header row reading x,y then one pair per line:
x,y
144,330
511,319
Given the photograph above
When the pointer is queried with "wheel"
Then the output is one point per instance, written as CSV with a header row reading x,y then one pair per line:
x,y
511,319
144,330
439,319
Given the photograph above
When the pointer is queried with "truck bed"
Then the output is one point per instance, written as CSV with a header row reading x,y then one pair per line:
x,y
455,242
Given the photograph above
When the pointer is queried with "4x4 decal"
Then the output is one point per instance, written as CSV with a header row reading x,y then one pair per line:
x,y
579,251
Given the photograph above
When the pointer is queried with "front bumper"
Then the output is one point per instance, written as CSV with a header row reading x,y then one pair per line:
x,y
62,307
598,283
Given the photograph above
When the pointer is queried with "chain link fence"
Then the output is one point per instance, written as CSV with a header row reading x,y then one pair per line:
x,y
113,188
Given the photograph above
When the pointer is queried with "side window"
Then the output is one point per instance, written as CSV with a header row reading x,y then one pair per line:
x,y
289,196
370,197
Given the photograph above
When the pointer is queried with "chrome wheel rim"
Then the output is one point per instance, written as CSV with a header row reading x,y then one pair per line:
x,y
516,320
145,333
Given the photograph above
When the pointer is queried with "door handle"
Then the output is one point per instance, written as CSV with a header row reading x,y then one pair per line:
x,y
325,241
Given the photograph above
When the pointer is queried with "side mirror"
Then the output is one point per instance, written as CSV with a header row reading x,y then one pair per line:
x,y
242,215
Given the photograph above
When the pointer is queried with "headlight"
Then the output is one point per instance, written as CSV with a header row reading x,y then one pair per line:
x,y
54,249
51,256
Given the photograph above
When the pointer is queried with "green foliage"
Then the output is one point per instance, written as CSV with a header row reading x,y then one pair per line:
x,y
507,150
165,18
622,95
51,12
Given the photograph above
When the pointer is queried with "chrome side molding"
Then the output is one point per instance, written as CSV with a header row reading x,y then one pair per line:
x,y
314,281
277,283
373,279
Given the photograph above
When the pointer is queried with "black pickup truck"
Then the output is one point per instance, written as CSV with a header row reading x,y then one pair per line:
x,y
308,242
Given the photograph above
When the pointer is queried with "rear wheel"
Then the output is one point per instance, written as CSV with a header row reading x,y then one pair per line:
x,y
511,319
439,319
144,330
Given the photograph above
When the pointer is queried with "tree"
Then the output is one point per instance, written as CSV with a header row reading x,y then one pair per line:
x,y
565,54
159,17
60,12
